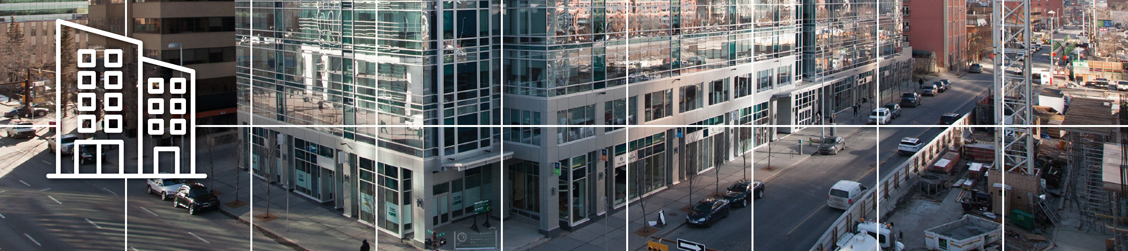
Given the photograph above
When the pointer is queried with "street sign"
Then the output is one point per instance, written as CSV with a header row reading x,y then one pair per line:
x,y
654,246
690,246
481,206
556,168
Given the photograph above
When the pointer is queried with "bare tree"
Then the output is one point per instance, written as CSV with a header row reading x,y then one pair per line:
x,y
67,70
691,178
642,201
238,168
269,151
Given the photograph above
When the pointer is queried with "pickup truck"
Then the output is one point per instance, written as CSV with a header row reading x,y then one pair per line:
x,y
67,144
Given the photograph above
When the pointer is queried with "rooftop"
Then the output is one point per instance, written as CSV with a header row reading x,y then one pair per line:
x,y
1090,112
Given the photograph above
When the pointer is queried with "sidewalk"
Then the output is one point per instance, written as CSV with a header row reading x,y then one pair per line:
x,y
307,225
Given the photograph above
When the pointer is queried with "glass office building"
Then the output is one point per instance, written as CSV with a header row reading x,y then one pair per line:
x,y
329,70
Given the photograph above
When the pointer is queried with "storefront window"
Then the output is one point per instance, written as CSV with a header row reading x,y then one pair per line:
x,y
526,188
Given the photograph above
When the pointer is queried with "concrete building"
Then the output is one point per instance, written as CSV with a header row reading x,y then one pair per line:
x,y
200,30
318,86
36,21
939,28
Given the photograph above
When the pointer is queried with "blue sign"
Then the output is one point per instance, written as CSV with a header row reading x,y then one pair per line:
x,y
1106,23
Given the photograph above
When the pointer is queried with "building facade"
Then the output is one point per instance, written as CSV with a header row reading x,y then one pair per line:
x,y
939,27
318,80
38,10
201,31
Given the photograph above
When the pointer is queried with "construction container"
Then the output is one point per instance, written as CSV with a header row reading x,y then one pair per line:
x,y
1022,219
974,170
966,234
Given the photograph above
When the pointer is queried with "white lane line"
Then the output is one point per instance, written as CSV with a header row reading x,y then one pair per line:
x,y
108,190
92,223
25,183
134,249
33,240
45,189
45,162
150,212
53,198
2,191
2,216
198,237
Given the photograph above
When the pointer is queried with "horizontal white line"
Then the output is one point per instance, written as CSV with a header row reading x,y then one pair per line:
x,y
150,212
33,240
125,176
25,183
53,198
108,190
662,126
198,237
92,223
45,189
20,126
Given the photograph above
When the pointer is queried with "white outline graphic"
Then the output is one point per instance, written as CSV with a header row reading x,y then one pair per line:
x,y
115,59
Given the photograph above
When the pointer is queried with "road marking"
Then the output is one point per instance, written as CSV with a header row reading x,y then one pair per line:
x,y
45,189
45,162
198,237
108,190
25,183
92,223
134,249
2,216
53,198
150,212
33,240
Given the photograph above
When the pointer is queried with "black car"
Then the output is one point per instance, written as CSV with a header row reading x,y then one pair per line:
x,y
22,111
910,99
893,108
949,118
708,211
743,191
195,197
86,154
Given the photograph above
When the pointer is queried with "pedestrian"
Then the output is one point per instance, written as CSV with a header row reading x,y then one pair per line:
x,y
921,82
855,110
364,246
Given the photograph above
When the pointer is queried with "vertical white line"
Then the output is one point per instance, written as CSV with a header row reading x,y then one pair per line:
x,y
376,147
501,81
877,123
58,95
125,186
125,32
251,120
627,132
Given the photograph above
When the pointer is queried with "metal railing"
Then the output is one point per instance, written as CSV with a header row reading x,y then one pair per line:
x,y
893,185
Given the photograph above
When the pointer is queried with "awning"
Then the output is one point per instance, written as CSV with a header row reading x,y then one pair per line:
x,y
463,164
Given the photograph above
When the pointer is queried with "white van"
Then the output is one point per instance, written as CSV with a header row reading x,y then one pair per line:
x,y
844,193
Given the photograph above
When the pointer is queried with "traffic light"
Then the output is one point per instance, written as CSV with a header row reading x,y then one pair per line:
x,y
654,246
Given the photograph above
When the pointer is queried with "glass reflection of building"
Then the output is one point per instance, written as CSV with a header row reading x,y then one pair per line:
x,y
352,64
684,63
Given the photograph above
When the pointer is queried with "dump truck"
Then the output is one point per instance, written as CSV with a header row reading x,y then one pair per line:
x,y
869,235
968,233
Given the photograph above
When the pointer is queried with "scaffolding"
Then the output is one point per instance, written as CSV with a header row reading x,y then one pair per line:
x,y
1086,166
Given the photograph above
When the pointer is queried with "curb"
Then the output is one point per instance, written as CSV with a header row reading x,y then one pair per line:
x,y
269,234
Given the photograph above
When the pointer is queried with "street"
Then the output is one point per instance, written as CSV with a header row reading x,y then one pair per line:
x,y
42,214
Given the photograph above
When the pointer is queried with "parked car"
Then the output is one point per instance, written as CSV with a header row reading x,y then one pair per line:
x,y
930,90
894,108
910,99
195,197
909,146
20,129
975,68
86,154
831,145
743,191
880,116
1122,85
943,85
949,118
22,111
844,193
707,212
164,187
67,142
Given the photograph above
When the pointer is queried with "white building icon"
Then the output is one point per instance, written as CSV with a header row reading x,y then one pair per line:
x,y
166,108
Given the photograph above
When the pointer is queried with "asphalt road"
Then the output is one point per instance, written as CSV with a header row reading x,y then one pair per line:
x,y
793,214
41,214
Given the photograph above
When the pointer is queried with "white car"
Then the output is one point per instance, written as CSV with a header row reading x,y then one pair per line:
x,y
881,115
909,146
164,187
67,144
20,129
